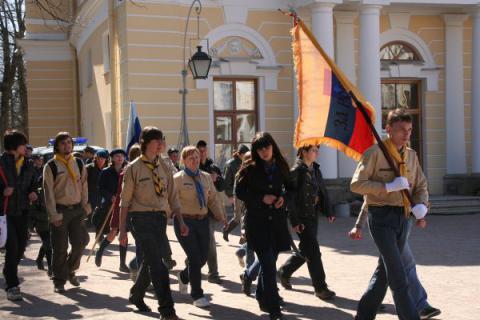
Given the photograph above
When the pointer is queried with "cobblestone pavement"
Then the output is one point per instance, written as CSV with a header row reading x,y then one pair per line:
x,y
447,253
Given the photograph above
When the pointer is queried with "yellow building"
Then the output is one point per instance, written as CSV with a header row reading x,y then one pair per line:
x,y
414,54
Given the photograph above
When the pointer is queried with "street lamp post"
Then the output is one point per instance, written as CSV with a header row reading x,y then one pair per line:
x,y
199,65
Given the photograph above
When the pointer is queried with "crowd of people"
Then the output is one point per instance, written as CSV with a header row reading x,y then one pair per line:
x,y
140,191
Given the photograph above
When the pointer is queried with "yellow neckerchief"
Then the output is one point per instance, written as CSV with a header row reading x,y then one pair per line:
x,y
157,182
69,164
19,164
401,161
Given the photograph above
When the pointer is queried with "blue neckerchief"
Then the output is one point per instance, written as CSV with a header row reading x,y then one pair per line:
x,y
196,178
269,170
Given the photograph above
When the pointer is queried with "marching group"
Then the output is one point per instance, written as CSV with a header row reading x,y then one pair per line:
x,y
140,196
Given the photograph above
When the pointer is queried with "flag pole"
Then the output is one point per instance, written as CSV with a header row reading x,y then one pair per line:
x,y
385,152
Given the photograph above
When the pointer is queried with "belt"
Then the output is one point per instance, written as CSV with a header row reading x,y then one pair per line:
x,y
69,207
194,216
146,213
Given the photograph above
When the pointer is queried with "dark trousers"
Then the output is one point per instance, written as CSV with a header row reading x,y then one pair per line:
x,y
73,231
196,246
212,251
267,290
17,229
389,228
147,229
309,248
46,248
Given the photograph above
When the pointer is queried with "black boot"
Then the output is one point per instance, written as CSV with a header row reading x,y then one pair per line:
x,y
123,257
98,255
232,224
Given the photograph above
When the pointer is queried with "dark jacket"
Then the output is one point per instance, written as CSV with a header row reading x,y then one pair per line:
x,y
265,226
23,185
307,187
210,167
93,173
231,169
108,185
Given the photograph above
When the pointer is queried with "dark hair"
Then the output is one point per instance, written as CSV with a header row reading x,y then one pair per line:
x,y
89,149
262,140
148,134
172,150
201,144
305,148
61,136
134,152
398,115
12,139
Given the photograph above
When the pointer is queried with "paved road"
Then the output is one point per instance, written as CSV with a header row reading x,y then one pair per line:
x,y
447,254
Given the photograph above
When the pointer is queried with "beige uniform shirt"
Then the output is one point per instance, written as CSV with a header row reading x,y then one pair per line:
x,y
373,171
138,192
188,195
64,191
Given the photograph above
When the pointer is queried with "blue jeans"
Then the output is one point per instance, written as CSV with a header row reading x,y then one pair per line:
x,y
253,265
389,229
196,246
267,290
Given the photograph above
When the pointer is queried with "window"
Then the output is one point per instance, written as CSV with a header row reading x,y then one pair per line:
x,y
399,51
404,94
235,112
89,69
106,53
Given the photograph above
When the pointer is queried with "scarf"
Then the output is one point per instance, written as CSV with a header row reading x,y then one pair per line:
x,y
196,178
19,164
69,164
401,161
157,182
270,170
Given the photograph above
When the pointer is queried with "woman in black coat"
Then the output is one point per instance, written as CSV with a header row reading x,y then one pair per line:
x,y
309,202
263,184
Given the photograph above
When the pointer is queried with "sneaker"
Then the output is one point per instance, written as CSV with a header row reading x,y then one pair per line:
x,y
246,284
214,279
201,303
124,268
325,294
182,286
139,303
429,312
241,262
14,294
284,281
73,280
59,288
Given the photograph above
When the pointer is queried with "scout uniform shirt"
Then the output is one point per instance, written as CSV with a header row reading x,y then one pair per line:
x,y
188,195
373,171
63,190
138,191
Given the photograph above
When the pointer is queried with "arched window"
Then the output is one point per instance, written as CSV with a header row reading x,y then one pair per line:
x,y
399,51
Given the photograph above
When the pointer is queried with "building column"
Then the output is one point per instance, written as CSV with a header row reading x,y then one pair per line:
x,y
454,94
476,91
345,59
369,83
322,29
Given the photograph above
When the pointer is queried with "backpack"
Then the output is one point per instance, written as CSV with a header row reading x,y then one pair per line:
x,y
54,169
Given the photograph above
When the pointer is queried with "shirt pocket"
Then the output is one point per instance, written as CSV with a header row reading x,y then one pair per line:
x,y
385,174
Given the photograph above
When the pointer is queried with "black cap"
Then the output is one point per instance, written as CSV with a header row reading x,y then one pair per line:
x,y
117,151
89,149
172,150
243,149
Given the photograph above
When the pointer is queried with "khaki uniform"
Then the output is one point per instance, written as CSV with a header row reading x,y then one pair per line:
x,y
138,192
188,195
63,191
373,171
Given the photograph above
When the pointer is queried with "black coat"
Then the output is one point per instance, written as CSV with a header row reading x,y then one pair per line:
x,y
108,185
265,226
23,184
93,174
231,169
306,187
210,167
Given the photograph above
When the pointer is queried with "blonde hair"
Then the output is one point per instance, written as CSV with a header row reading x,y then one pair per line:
x,y
187,152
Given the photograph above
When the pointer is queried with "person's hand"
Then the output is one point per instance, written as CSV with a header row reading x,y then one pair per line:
x,y
57,223
32,196
184,230
421,223
214,176
420,211
331,219
269,199
113,199
279,203
355,233
398,184
8,191
123,238
298,228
